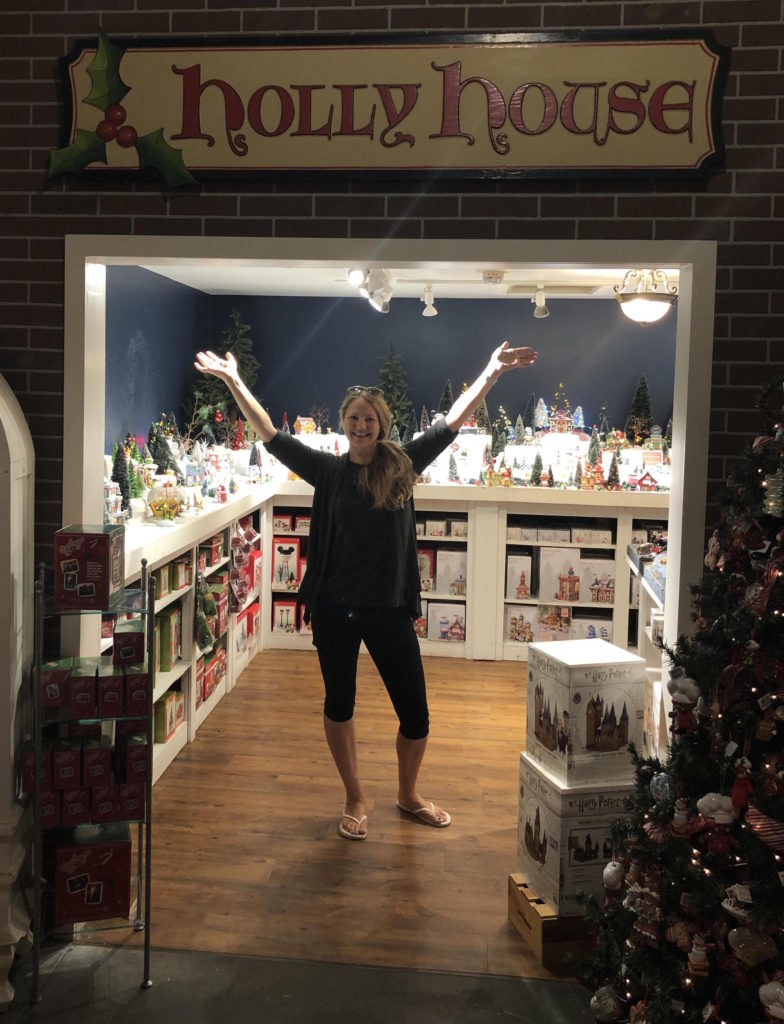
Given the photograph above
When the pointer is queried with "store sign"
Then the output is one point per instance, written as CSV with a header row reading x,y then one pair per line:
x,y
539,105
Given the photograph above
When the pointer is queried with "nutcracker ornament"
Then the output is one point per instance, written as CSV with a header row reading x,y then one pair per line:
x,y
685,693
742,786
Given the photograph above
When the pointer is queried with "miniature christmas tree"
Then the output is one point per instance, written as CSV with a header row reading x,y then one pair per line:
x,y
529,413
578,474
162,454
483,418
284,426
578,418
519,429
446,401
668,433
453,474
541,415
411,428
238,441
594,453
499,442
604,429
209,395
132,447
692,928
550,478
393,381
120,476
136,481
502,423
394,434
613,478
640,419
560,401
536,471
424,419
254,455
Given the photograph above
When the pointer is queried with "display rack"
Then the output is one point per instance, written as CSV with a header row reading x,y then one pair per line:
x,y
140,601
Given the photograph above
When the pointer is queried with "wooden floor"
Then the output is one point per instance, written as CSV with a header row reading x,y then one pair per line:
x,y
246,854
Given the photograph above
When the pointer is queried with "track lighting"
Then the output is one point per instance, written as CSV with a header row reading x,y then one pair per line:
x,y
646,296
379,290
540,310
427,298
357,277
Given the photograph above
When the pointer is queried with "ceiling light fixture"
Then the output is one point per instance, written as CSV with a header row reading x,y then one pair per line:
x,y
374,281
646,296
357,277
380,290
540,310
427,298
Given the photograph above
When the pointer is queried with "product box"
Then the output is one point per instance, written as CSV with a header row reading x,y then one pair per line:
x,y
302,524
97,762
241,633
282,524
634,591
426,559
179,708
285,562
451,571
110,689
171,635
164,712
584,707
199,682
554,622
75,806
130,801
284,616
554,534
54,682
562,841
51,808
67,764
590,536
136,758
180,573
435,527
93,875
518,576
254,625
103,803
255,573
81,688
597,580
130,638
137,681
28,768
209,678
162,579
514,534
420,624
420,528
639,536
555,941
107,626
559,578
212,550
457,527
89,566
587,627
446,621
304,627
521,623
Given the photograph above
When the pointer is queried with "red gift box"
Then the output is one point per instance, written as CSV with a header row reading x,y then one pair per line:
x,y
136,683
97,762
81,687
136,758
54,682
129,642
93,876
130,800
51,808
212,549
209,678
199,684
28,769
255,562
76,806
67,764
104,806
89,566
110,690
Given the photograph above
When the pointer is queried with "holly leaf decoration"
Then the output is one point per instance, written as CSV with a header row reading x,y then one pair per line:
x,y
85,149
154,151
104,72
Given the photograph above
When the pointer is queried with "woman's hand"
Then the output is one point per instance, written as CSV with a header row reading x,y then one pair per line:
x,y
505,358
224,369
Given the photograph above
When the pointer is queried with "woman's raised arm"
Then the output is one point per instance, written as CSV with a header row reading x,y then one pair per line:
x,y
226,370
503,358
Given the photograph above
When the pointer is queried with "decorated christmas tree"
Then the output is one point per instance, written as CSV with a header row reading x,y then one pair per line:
x,y
393,381
692,928
639,422
483,418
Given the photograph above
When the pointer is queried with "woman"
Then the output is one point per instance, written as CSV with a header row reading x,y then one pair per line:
x,y
362,579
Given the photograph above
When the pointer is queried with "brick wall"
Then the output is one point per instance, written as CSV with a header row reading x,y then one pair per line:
x,y
742,207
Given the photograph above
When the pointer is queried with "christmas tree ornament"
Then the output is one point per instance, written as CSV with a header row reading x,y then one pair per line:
x,y
773,503
750,947
698,956
661,788
772,998
612,878
742,786
605,1004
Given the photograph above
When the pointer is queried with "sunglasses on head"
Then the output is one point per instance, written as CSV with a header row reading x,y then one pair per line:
x,y
361,389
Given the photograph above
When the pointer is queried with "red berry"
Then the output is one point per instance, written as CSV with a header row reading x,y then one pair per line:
x,y
106,131
115,113
126,136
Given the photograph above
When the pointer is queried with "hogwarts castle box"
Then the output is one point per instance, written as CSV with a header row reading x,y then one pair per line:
x,y
562,842
585,705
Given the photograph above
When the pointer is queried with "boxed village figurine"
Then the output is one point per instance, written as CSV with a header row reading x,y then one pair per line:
x,y
562,844
585,705
89,567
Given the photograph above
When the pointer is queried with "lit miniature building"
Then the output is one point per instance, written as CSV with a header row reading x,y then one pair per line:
x,y
304,425
568,586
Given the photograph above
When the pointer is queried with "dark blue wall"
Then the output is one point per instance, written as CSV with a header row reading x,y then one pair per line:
x,y
310,349
151,324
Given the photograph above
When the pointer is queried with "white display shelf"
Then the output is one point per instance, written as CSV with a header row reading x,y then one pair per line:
x,y
443,648
211,569
438,595
559,544
206,706
651,593
165,680
253,596
164,753
437,539
170,598
592,605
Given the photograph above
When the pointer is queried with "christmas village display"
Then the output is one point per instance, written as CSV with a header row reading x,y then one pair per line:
x,y
690,923
172,471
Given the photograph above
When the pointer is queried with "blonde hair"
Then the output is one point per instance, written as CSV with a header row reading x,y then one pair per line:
x,y
389,477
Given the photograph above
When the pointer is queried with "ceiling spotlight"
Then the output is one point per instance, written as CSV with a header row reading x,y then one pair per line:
x,y
374,280
427,298
646,296
379,297
540,310
357,277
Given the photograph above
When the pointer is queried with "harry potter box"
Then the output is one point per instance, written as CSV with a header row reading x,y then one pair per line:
x,y
585,704
562,844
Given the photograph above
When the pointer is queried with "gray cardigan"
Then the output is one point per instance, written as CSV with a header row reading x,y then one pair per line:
x,y
326,473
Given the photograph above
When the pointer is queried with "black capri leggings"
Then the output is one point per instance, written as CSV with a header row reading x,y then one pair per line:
x,y
389,636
